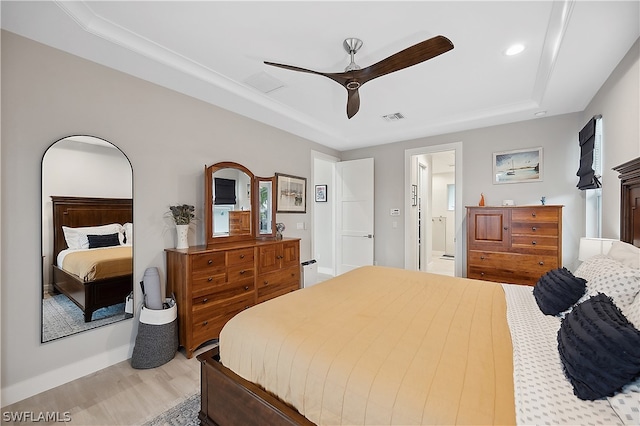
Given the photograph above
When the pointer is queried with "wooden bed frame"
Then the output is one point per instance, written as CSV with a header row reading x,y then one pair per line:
x,y
228,399
78,212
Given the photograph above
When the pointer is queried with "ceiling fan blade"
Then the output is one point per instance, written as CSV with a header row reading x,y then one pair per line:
x,y
337,77
353,102
408,57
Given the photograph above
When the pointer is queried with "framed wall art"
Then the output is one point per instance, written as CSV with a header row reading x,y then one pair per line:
x,y
518,166
292,194
321,193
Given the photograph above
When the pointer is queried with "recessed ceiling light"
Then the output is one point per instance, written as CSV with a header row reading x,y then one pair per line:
x,y
514,49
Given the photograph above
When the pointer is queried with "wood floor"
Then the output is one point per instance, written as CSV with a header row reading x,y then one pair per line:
x,y
116,395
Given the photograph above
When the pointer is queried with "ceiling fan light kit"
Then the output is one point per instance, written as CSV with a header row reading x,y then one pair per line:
x,y
353,77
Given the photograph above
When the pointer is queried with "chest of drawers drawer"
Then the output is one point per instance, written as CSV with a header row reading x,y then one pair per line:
x,y
208,321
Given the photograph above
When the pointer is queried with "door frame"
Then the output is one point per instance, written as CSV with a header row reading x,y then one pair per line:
x,y
459,209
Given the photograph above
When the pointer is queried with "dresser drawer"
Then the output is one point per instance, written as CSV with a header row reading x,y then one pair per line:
x,y
278,283
240,256
535,228
205,281
538,264
240,272
222,291
534,242
509,276
207,322
208,263
535,214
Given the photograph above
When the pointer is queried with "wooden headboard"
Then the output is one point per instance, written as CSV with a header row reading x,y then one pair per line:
x,y
630,201
83,211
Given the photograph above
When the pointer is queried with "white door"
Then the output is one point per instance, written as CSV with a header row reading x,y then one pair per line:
x,y
354,218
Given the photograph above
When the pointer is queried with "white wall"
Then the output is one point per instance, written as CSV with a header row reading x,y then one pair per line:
x,y
323,213
168,137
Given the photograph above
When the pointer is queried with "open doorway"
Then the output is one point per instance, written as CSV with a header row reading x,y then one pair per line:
x,y
433,216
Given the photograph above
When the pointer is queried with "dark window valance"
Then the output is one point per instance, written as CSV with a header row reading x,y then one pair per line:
x,y
587,138
225,191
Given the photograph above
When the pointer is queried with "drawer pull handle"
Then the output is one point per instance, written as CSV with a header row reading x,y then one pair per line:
x,y
205,300
505,228
242,272
242,256
541,263
210,279
533,214
247,307
210,261
533,228
246,287
205,323
481,257
534,243
266,282
482,274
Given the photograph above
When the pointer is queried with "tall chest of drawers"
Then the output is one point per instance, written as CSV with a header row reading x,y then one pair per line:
x,y
212,284
515,244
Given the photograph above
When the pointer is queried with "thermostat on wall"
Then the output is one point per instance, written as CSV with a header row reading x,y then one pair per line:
x,y
395,212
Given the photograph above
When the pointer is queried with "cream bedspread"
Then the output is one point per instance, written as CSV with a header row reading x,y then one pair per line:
x,y
99,263
381,346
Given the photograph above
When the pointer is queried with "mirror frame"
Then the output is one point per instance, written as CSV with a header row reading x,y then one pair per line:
x,y
273,210
208,203
57,242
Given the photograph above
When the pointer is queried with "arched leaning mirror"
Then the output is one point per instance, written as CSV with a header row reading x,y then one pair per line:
x,y
87,236
229,189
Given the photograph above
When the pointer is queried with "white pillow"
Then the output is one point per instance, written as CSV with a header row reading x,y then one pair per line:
x,y
625,253
608,276
76,238
128,232
592,267
632,312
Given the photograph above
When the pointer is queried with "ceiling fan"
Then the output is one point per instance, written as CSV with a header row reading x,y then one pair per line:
x,y
353,76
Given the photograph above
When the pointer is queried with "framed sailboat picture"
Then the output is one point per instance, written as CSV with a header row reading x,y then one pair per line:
x,y
518,166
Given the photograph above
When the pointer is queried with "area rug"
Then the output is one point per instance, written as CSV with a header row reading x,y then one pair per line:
x,y
61,317
183,414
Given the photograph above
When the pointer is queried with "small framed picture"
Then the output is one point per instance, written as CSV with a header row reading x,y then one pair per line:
x,y
292,194
321,193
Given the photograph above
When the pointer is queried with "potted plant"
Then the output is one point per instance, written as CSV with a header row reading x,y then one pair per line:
x,y
182,217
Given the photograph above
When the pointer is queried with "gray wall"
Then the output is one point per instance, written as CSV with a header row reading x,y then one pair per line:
x,y
169,138
617,101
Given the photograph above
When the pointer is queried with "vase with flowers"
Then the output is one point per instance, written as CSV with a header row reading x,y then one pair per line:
x,y
182,215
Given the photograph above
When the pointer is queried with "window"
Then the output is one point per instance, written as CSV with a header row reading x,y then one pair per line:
x,y
593,196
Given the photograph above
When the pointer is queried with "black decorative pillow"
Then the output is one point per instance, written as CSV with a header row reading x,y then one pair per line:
x,y
599,348
107,240
557,290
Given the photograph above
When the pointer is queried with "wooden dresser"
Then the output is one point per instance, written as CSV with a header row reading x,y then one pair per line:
x,y
212,284
513,244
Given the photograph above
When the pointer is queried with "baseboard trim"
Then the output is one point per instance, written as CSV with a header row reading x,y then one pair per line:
x,y
51,379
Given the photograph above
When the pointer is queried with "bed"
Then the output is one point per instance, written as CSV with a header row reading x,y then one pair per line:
x,y
98,277
388,346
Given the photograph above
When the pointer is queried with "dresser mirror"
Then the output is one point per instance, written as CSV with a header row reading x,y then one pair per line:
x,y
266,212
87,208
229,189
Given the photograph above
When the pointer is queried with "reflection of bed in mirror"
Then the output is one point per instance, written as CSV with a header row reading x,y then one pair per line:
x,y
107,282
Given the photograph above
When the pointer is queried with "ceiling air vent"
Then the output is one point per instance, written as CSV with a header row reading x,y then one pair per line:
x,y
393,117
264,82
